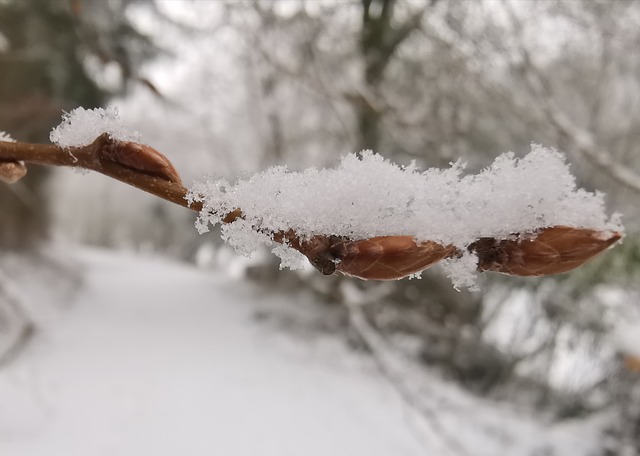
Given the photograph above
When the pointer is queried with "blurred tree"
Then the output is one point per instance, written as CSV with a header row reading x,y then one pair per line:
x,y
381,36
439,81
52,57
433,81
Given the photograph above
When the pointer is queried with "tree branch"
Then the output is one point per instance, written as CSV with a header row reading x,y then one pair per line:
x,y
582,140
551,250
27,326
398,372
135,164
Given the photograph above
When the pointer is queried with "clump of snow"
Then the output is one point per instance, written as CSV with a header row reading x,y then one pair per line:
x,y
289,258
5,137
367,196
82,126
462,271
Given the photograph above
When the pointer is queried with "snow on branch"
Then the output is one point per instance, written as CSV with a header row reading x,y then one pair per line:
x,y
367,217
107,150
81,127
370,218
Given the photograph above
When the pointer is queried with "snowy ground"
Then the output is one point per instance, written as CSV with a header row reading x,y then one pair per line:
x,y
160,358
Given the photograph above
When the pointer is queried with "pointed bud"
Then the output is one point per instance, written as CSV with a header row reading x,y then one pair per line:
x,y
140,157
387,257
550,251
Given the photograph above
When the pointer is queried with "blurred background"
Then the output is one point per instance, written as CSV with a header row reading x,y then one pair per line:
x,y
228,88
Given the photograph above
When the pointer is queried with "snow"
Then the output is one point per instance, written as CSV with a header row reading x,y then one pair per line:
x,y
160,358
82,126
6,137
462,271
367,196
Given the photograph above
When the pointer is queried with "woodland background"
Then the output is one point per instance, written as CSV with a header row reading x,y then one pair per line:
x,y
230,88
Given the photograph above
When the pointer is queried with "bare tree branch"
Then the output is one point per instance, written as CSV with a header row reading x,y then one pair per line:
x,y
582,140
27,326
134,164
551,250
387,362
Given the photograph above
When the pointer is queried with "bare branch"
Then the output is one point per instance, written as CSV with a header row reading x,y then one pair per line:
x,y
582,140
27,325
584,143
137,165
388,363
548,251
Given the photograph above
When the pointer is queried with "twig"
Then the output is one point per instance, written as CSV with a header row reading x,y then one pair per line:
x,y
147,169
19,343
550,250
135,164
384,358
582,140
28,327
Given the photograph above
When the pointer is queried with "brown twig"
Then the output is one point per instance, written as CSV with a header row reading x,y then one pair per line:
x,y
135,164
549,251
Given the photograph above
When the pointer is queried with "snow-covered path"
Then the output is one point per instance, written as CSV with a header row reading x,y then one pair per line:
x,y
156,358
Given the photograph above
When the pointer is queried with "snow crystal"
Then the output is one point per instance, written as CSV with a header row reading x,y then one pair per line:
x,y
82,126
367,196
5,137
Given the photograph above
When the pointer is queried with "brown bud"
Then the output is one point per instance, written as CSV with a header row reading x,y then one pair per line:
x,y
12,171
550,251
387,257
140,157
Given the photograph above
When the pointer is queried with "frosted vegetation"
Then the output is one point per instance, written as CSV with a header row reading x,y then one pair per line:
x,y
367,196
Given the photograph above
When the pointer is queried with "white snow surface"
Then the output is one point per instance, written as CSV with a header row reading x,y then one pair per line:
x,y
80,127
159,358
162,359
367,196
